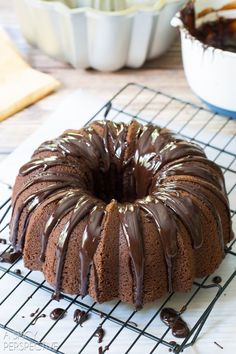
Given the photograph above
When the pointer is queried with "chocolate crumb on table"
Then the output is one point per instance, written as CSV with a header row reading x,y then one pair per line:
x,y
34,313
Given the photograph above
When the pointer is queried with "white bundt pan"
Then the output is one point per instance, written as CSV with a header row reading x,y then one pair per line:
x,y
104,40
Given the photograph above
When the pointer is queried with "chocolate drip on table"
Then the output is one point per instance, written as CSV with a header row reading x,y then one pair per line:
x,y
81,209
172,319
57,313
17,271
217,279
34,313
97,170
80,316
37,318
132,323
99,333
90,241
10,256
180,186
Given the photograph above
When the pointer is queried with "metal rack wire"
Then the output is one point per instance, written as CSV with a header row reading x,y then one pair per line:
x,y
190,121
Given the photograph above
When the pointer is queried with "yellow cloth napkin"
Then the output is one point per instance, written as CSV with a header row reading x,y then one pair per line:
x,y
20,85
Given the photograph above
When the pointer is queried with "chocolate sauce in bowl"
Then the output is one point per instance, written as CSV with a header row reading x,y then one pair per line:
x,y
220,33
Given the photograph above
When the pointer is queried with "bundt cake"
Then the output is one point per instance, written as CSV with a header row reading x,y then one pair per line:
x,y
116,210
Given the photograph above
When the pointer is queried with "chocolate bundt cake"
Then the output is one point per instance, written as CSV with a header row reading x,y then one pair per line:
x,y
116,210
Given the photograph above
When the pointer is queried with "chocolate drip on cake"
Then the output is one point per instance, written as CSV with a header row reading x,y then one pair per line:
x,y
130,223
81,209
37,318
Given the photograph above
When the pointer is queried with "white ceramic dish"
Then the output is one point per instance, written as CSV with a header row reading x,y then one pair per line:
x,y
211,72
106,41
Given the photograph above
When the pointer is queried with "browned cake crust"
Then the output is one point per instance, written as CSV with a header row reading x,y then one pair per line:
x,y
121,211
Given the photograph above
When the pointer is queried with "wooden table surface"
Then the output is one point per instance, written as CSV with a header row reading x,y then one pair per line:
x,y
165,73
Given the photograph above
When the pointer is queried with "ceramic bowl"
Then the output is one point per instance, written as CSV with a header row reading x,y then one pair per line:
x,y
211,72
101,39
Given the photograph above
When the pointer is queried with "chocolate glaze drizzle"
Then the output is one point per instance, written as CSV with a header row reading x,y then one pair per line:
x,y
17,271
80,172
131,225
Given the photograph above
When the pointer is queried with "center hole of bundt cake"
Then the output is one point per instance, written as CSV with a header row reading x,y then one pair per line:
x,y
114,184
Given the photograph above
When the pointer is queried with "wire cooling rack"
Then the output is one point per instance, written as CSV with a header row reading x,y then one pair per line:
x,y
126,331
